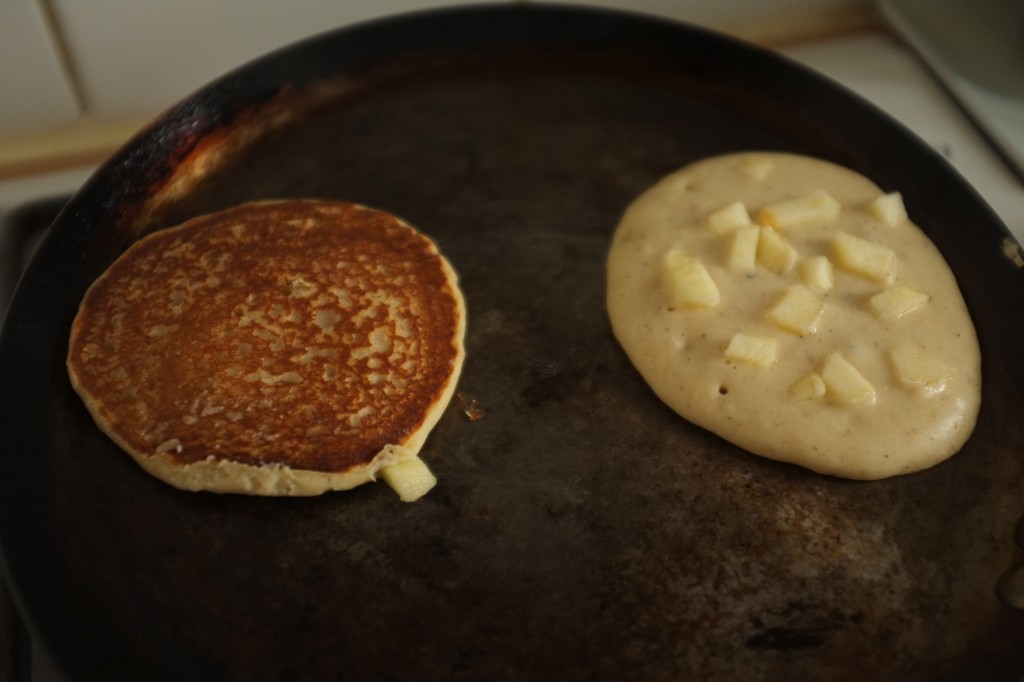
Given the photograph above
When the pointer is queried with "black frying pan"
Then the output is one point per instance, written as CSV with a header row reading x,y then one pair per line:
x,y
580,530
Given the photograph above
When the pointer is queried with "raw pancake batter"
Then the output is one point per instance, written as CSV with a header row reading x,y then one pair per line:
x,y
790,306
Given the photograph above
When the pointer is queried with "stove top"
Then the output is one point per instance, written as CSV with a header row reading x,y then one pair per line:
x,y
975,50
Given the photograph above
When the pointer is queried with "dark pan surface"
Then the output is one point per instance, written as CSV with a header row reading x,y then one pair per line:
x,y
580,530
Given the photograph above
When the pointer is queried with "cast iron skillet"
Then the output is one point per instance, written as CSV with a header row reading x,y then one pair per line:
x,y
580,530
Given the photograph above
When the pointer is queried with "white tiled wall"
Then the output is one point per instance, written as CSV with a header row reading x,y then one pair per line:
x,y
138,56
133,58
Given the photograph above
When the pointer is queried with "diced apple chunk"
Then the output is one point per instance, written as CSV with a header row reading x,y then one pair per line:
x,y
743,250
758,350
844,382
688,281
756,167
896,301
798,310
865,258
731,217
818,274
774,252
411,479
809,387
888,209
915,365
817,207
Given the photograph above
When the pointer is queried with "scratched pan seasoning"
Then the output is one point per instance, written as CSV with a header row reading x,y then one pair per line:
x,y
579,530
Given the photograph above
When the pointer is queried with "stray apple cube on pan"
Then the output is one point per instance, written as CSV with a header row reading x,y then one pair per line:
x,y
798,310
865,258
844,382
888,209
757,350
411,479
818,207
688,281
731,217
896,301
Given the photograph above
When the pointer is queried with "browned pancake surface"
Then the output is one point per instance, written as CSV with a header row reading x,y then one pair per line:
x,y
297,333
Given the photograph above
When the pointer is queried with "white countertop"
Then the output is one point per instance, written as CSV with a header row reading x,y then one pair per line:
x,y
889,75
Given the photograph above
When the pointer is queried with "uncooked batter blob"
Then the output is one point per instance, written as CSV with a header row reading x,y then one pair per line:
x,y
790,306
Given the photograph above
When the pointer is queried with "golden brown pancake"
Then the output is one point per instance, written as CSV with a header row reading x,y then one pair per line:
x,y
274,348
